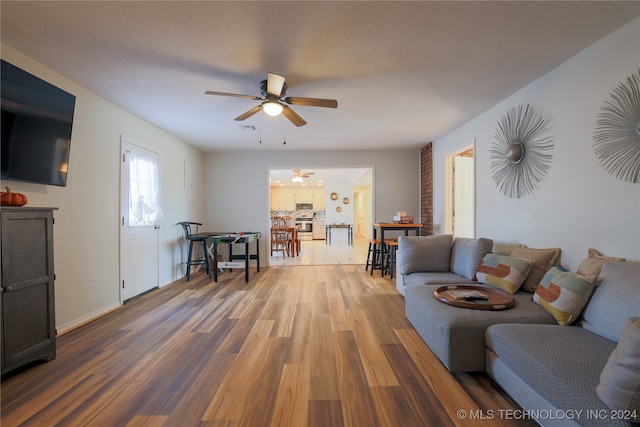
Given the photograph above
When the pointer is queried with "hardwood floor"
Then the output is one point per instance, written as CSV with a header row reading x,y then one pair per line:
x,y
297,346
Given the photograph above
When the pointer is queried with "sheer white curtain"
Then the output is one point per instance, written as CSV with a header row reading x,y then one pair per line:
x,y
144,190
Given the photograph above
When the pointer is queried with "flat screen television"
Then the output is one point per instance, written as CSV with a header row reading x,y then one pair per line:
x,y
37,119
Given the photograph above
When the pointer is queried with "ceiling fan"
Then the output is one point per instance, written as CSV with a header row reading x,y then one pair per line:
x,y
273,92
298,176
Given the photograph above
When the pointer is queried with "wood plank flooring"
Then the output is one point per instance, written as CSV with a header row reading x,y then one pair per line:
x,y
297,346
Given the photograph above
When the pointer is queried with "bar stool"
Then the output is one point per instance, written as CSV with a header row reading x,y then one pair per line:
x,y
392,247
194,237
373,255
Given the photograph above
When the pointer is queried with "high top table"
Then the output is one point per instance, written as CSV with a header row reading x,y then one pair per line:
x,y
392,226
231,239
329,227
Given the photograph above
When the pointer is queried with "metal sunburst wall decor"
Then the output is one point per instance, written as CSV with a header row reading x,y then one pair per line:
x,y
617,134
520,156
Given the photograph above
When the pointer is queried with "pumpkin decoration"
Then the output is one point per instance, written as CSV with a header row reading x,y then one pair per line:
x,y
12,199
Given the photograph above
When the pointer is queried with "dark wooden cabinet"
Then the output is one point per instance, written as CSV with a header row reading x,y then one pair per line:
x,y
27,308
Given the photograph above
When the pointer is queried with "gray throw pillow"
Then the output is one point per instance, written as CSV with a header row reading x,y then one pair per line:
x,y
424,253
619,386
615,300
466,255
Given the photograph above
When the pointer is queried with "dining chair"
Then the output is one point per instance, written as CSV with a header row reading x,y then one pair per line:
x,y
295,237
280,236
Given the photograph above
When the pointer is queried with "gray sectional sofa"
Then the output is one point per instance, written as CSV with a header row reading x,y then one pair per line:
x,y
581,374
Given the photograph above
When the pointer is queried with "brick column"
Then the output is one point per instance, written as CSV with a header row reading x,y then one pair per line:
x,y
426,189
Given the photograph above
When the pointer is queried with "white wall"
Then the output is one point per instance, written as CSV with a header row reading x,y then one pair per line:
x,y
578,205
86,232
344,188
237,187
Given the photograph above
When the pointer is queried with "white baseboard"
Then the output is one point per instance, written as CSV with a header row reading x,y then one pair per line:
x,y
70,326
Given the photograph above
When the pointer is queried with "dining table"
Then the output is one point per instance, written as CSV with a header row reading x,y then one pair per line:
x,y
393,226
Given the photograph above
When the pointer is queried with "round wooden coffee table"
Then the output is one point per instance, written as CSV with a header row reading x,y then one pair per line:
x,y
496,299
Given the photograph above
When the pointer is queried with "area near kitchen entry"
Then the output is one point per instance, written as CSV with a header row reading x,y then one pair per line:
x,y
312,198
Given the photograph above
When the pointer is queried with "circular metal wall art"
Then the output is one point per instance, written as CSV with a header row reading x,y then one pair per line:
x,y
520,156
617,133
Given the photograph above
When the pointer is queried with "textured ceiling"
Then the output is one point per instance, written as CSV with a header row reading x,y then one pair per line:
x,y
404,73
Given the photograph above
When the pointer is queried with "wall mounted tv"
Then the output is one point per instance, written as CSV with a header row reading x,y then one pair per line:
x,y
37,118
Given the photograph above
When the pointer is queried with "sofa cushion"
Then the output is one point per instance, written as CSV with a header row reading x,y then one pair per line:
x,y
560,363
504,272
594,261
564,294
424,253
615,300
455,334
619,386
542,259
466,255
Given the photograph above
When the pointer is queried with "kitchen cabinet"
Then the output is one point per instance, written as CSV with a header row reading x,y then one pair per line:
x,y
319,230
287,201
282,200
27,309
285,198
318,201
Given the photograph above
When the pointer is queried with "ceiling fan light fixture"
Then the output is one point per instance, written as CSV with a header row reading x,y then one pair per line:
x,y
272,108
297,179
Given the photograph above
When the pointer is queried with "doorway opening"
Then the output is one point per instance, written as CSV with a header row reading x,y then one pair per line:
x,y
460,193
324,196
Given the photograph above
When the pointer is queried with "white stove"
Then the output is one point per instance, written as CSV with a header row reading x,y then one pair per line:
x,y
304,222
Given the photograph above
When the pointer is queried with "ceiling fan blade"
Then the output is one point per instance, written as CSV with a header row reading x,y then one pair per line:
x,y
235,95
248,114
293,116
275,83
312,102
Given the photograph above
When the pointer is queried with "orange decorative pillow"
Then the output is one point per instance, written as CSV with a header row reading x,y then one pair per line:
x,y
593,264
564,294
504,272
542,260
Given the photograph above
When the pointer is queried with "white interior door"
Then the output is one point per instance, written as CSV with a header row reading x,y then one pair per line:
x,y
463,200
140,213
